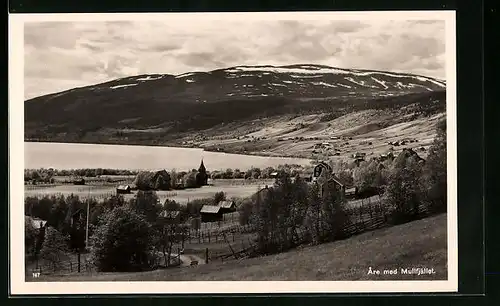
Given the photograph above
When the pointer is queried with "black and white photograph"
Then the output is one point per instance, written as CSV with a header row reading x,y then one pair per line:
x,y
233,152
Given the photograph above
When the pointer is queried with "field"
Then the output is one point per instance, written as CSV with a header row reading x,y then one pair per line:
x,y
232,188
418,244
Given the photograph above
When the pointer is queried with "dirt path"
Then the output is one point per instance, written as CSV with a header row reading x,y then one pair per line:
x,y
186,259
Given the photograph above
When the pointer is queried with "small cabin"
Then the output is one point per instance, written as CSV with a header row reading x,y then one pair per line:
x,y
123,189
79,181
78,217
273,174
211,213
350,193
358,155
227,206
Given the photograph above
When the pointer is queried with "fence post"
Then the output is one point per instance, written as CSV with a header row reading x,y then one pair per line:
x,y
206,255
70,267
78,261
208,236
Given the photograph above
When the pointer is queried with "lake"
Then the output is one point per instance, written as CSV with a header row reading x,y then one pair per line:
x,y
77,156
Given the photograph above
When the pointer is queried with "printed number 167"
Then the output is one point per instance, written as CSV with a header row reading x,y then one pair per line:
x,y
36,274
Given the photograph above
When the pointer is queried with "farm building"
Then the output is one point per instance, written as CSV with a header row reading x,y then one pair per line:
x,y
333,181
387,156
123,189
320,169
79,181
273,174
157,180
359,155
227,206
350,193
78,217
211,213
323,175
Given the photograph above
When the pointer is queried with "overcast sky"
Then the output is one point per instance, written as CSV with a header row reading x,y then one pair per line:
x,y
64,55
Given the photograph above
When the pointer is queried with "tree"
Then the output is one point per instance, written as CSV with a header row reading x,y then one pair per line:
x,y
435,172
146,203
30,236
245,211
219,196
190,181
54,247
122,241
313,215
333,214
368,177
404,190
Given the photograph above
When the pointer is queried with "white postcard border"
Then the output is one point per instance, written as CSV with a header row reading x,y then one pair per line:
x,y
16,165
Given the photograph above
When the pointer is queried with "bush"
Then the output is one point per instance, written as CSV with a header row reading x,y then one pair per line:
x,y
122,242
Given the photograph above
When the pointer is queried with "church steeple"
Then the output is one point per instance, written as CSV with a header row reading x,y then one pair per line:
x,y
202,168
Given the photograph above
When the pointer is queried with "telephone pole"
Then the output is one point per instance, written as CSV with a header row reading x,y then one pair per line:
x,y
87,225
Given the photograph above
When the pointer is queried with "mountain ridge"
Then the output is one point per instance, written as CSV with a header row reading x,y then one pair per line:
x,y
305,67
195,108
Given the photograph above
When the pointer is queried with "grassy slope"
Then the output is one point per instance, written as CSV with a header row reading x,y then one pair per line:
x,y
421,243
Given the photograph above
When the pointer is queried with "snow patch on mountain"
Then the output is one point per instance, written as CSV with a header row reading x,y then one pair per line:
x,y
323,84
361,83
289,70
149,78
380,82
122,86
343,85
184,75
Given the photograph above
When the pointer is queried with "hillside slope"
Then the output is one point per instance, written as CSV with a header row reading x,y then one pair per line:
x,y
172,110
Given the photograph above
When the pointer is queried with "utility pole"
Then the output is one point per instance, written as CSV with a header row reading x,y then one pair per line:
x,y
87,225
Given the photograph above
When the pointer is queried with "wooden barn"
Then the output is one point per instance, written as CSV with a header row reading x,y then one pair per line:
x,y
211,213
123,189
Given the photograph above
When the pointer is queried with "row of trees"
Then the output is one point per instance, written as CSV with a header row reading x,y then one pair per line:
x,y
255,172
43,174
